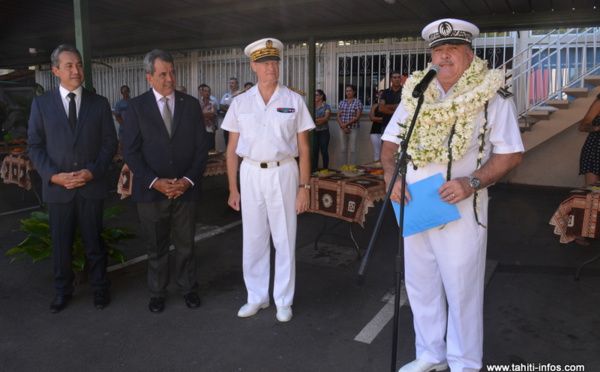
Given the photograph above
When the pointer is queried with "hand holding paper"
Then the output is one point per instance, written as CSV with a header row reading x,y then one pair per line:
x,y
427,209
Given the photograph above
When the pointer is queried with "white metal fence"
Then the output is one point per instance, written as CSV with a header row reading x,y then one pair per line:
x,y
365,63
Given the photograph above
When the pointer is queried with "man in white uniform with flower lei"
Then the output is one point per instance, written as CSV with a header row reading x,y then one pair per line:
x,y
467,131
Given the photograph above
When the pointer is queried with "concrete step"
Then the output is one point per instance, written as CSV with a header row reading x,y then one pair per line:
x,y
560,121
592,80
539,114
525,124
576,92
558,103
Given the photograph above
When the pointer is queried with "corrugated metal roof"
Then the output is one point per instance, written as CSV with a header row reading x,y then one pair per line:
x,y
123,27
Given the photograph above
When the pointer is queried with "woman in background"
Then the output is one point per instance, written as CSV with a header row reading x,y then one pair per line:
x,y
589,161
322,114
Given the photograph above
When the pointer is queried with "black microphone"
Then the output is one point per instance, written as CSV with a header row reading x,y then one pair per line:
x,y
422,86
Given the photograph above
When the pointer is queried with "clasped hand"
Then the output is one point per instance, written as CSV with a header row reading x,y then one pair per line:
x,y
71,180
172,188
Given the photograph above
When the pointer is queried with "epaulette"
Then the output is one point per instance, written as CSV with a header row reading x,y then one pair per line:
x,y
240,92
504,93
296,90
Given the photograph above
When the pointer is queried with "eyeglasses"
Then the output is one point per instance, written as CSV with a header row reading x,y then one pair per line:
x,y
124,91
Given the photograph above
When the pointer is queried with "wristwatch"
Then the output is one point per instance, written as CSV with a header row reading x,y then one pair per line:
x,y
305,186
475,183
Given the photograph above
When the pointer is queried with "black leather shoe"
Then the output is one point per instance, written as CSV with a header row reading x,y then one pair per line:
x,y
60,302
101,298
192,300
157,304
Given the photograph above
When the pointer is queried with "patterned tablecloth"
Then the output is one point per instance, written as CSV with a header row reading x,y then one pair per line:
x,y
215,165
15,169
345,197
577,216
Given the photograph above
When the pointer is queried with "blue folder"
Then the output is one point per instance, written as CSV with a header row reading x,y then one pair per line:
x,y
426,209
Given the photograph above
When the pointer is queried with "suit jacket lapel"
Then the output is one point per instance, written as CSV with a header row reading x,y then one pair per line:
x,y
155,112
59,106
61,114
179,103
86,100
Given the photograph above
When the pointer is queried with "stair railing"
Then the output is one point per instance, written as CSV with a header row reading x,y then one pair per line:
x,y
557,60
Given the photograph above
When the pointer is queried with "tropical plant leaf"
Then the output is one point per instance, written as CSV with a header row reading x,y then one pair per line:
x,y
34,240
18,253
13,251
118,233
78,263
40,255
35,226
116,255
39,216
112,212
38,244
19,258
33,246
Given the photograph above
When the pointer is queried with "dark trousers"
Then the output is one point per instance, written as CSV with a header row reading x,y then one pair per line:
x,y
226,137
210,138
321,145
64,219
162,221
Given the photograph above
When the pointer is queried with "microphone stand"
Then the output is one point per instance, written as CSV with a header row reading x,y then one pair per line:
x,y
401,168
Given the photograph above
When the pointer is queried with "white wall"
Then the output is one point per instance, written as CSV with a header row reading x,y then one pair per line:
x,y
553,163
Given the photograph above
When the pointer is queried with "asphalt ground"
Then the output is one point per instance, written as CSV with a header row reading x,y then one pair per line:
x,y
536,314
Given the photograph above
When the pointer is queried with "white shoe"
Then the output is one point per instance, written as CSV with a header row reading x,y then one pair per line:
x,y
419,365
284,313
251,309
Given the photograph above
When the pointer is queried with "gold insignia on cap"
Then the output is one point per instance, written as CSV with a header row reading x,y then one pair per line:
x,y
449,31
445,28
267,51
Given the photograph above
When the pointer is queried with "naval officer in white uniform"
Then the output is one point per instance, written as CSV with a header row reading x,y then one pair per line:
x,y
268,125
467,130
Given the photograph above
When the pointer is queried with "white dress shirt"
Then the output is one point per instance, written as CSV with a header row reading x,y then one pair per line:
x,y
66,100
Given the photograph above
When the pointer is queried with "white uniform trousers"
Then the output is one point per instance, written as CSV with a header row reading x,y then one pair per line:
x,y
445,273
268,202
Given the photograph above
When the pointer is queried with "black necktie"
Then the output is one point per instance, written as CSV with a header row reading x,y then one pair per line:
x,y
72,111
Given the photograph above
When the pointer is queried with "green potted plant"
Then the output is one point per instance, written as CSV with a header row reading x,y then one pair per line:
x,y
38,244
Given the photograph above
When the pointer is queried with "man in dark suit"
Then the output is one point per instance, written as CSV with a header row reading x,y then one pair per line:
x,y
72,141
166,148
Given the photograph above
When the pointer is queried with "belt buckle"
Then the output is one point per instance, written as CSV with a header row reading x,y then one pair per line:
x,y
264,165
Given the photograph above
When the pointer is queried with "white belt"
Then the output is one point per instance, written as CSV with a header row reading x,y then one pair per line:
x,y
268,164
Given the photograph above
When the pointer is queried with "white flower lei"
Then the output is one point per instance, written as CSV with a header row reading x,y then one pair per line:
x,y
438,117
